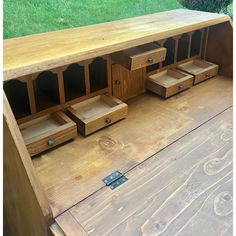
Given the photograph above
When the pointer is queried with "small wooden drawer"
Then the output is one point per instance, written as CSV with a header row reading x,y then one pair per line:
x,y
96,113
169,82
47,131
201,69
140,56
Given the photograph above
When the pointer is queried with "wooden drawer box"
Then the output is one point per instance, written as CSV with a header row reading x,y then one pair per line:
x,y
201,69
169,82
96,113
47,131
140,56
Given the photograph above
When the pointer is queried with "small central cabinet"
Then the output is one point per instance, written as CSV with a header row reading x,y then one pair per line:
x,y
126,83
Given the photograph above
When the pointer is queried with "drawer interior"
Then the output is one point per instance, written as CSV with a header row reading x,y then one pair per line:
x,y
195,66
40,126
168,77
94,106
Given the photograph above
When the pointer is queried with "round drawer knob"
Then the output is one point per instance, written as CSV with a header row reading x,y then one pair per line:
x,y
117,82
180,87
108,121
150,60
50,143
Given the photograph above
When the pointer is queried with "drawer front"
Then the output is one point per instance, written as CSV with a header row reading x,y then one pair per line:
x,y
179,87
148,58
50,141
213,71
106,119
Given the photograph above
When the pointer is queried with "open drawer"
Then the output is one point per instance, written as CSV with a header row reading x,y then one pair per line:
x,y
169,82
140,56
96,113
201,69
47,131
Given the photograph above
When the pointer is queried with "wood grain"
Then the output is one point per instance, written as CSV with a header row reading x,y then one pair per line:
x,y
126,83
69,225
220,40
74,171
26,208
52,52
186,189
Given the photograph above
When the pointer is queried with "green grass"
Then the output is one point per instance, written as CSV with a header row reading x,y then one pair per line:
x,y
24,17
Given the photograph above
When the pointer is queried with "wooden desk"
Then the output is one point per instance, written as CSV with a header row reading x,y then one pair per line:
x,y
51,73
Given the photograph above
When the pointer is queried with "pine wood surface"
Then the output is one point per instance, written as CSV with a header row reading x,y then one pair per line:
x,y
35,53
24,198
73,171
186,189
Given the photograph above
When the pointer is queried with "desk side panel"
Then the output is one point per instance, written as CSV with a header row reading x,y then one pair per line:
x,y
220,47
26,210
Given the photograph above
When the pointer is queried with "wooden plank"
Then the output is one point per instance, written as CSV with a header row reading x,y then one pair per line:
x,y
19,53
81,165
220,38
25,206
69,225
30,89
186,189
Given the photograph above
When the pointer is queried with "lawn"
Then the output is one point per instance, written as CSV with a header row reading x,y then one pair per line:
x,y
24,17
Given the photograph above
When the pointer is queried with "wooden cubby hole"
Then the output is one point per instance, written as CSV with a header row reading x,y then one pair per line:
x,y
74,81
18,97
46,90
183,47
98,74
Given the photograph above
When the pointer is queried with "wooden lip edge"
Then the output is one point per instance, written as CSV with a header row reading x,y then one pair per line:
x,y
12,73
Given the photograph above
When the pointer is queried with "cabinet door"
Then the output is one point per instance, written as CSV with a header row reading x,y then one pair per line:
x,y
126,83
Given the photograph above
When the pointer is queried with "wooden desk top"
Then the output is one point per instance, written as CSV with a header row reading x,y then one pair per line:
x,y
34,53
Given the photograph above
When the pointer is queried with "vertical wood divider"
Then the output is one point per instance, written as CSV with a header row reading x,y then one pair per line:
x,y
86,74
201,44
190,43
61,85
30,89
162,45
109,75
204,47
176,47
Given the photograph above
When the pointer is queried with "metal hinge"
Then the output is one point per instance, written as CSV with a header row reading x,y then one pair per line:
x,y
114,180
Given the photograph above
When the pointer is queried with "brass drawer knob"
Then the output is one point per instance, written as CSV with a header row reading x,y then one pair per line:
x,y
108,121
117,82
180,87
50,143
150,60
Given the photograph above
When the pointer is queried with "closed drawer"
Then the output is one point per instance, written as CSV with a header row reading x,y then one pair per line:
x,y
140,56
201,69
47,131
96,113
169,82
